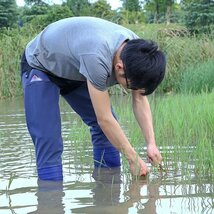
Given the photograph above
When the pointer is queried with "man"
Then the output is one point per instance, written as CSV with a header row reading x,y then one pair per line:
x,y
80,58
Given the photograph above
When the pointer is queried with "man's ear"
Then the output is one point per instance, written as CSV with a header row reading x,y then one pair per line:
x,y
119,68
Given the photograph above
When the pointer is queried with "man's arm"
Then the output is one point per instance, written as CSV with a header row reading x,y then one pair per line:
x,y
112,129
142,112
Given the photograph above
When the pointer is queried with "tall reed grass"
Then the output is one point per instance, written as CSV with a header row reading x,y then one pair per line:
x,y
12,44
182,52
198,78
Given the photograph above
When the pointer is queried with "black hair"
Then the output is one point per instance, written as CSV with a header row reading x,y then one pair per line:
x,y
144,64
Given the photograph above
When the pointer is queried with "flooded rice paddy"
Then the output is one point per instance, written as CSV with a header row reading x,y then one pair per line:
x,y
85,189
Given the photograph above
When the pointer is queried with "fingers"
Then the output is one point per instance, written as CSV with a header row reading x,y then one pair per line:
x,y
144,171
150,160
155,160
153,155
139,168
143,168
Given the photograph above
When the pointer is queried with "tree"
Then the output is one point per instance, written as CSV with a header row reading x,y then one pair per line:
x,y
79,8
154,8
102,9
169,4
34,2
33,11
185,3
8,13
160,10
54,13
131,5
200,16
132,11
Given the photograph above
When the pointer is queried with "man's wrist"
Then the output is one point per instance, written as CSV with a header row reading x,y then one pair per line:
x,y
150,142
131,155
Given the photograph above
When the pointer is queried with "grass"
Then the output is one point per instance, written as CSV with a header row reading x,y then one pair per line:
x,y
183,126
12,176
180,121
198,78
79,151
12,44
182,51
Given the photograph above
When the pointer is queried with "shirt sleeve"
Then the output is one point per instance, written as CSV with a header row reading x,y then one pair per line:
x,y
95,70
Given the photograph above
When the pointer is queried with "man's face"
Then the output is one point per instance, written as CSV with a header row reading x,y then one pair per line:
x,y
125,82
120,75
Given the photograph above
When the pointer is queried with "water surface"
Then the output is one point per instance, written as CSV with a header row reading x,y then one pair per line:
x,y
85,189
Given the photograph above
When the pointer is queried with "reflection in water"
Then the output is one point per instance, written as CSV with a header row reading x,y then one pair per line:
x,y
108,190
106,195
84,189
50,198
108,186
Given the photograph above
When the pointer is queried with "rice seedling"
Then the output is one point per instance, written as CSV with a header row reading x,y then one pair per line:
x,y
183,126
184,130
11,178
112,187
80,145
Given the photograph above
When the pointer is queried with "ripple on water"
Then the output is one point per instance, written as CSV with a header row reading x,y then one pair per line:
x,y
85,190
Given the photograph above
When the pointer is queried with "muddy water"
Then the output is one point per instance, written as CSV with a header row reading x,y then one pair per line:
x,y
85,190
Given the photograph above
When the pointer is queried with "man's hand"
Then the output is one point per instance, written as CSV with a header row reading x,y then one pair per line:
x,y
153,154
138,167
113,131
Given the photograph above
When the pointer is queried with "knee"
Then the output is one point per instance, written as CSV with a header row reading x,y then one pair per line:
x,y
106,157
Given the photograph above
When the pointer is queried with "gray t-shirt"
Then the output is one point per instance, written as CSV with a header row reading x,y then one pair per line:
x,y
79,48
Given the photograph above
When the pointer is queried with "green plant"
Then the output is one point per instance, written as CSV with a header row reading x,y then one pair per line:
x,y
200,17
183,126
198,78
12,176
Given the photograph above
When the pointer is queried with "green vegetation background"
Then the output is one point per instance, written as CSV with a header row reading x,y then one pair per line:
x,y
184,120
183,31
190,59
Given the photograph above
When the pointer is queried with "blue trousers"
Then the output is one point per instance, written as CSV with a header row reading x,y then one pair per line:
x,y
41,99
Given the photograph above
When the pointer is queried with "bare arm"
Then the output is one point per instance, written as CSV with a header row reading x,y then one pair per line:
x,y
143,115
112,129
